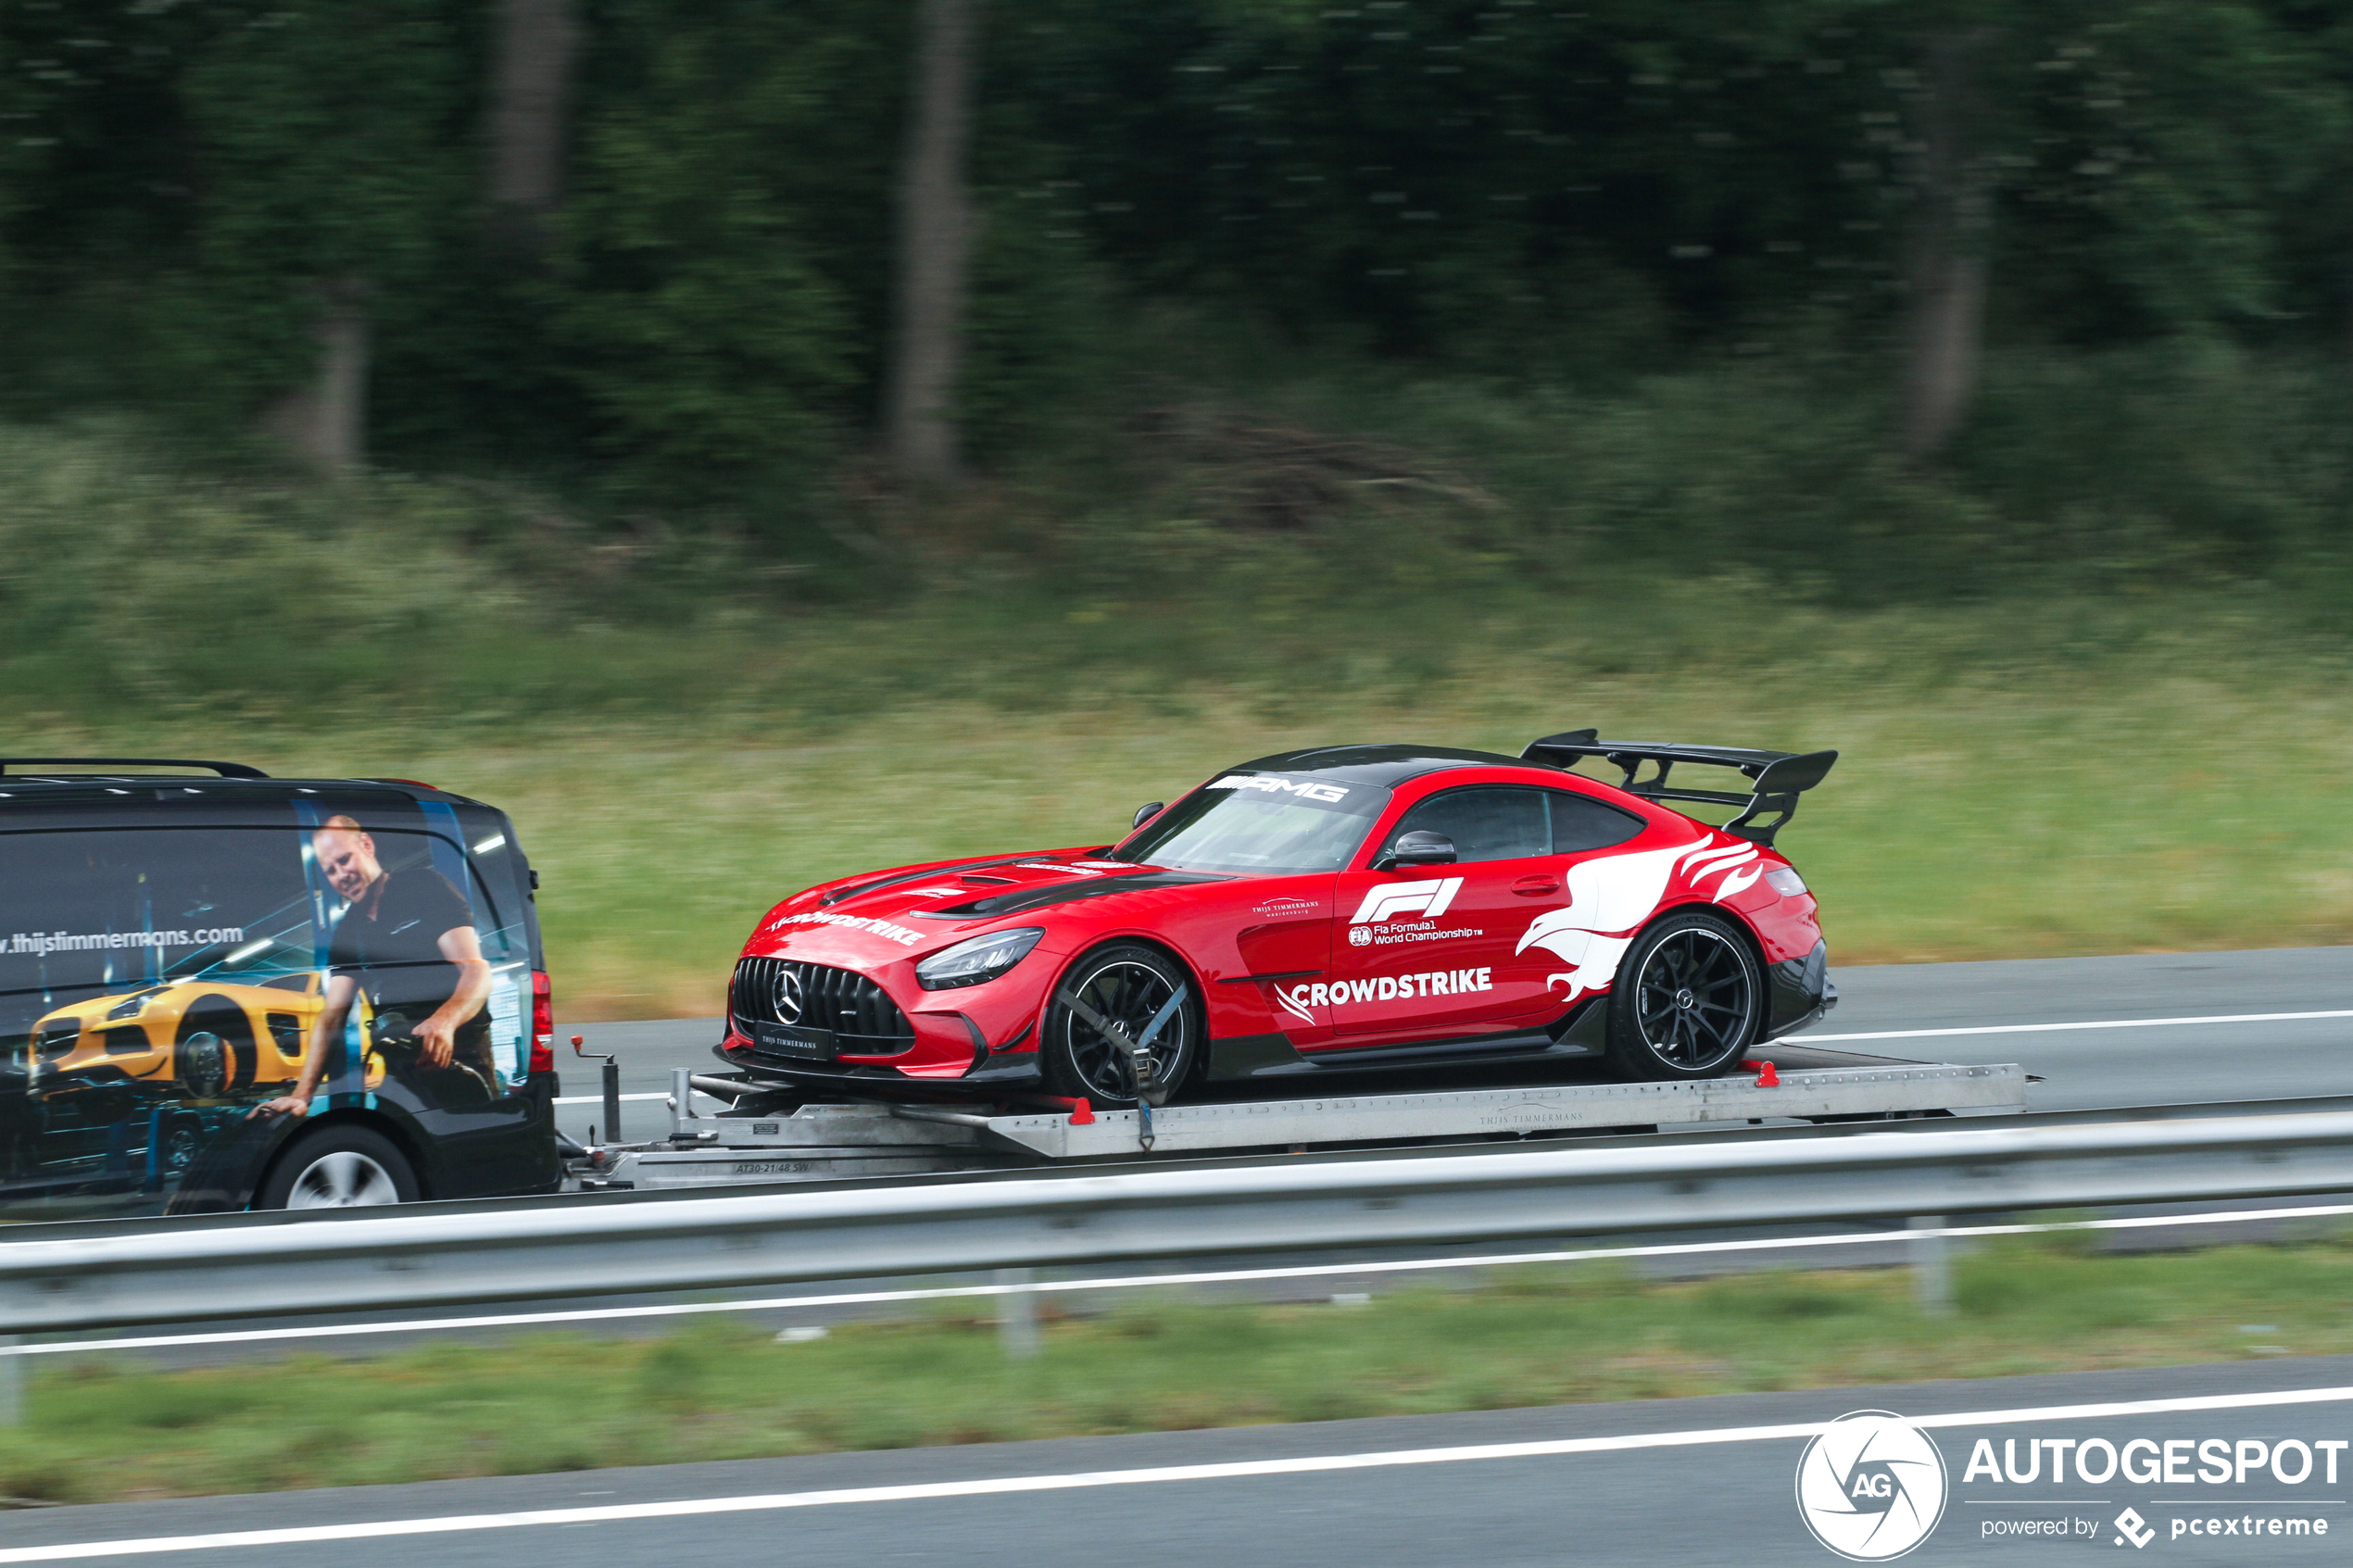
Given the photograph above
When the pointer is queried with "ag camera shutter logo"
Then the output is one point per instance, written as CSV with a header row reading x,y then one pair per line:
x,y
1871,1486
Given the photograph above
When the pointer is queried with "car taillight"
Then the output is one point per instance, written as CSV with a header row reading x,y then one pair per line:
x,y
1785,881
543,1023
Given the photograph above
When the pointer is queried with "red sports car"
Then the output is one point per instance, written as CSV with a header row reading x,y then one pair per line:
x,y
1347,908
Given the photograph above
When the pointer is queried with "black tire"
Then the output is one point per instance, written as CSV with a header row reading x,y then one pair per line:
x,y
338,1167
1689,1000
1127,984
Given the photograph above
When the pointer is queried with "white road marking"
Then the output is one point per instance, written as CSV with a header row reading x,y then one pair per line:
x,y
599,1100
1219,1276
1812,1039
1007,1485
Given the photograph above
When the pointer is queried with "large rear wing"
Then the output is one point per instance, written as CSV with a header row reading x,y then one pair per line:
x,y
1777,777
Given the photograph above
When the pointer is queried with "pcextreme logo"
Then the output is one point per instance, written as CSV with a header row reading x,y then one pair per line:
x,y
1425,898
1871,1486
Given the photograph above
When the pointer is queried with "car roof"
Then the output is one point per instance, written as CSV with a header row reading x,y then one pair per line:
x,y
1381,765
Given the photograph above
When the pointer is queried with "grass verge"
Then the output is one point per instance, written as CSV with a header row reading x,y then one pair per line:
x,y
1997,795
100,1430
2028,771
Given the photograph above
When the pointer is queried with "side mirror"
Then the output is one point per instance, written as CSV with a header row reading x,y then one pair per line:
x,y
1417,849
1146,813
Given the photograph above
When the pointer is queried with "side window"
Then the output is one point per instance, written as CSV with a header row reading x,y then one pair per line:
x,y
499,890
1486,823
120,913
1581,823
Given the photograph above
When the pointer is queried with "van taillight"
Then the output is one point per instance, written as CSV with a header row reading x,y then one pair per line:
x,y
543,1023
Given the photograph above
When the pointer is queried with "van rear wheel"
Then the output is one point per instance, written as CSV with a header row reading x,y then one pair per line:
x,y
341,1167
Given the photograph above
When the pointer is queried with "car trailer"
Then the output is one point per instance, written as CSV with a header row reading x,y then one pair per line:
x,y
765,1135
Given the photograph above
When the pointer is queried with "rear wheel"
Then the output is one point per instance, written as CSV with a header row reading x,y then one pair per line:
x,y
341,1167
1127,984
1688,1003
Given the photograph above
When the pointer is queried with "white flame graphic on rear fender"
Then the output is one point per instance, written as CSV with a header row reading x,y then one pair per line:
x,y
1610,895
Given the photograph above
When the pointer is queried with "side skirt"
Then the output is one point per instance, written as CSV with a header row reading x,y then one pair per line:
x,y
1578,1032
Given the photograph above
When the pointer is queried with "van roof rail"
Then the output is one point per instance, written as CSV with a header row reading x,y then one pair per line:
x,y
226,769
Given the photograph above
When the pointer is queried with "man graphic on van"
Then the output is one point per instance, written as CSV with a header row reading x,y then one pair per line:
x,y
408,936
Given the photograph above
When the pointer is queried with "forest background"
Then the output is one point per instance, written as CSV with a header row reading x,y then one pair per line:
x,y
756,442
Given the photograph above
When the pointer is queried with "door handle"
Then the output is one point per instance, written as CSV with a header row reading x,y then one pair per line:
x,y
1536,886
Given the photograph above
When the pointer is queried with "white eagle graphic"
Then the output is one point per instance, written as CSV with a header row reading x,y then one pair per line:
x,y
1610,895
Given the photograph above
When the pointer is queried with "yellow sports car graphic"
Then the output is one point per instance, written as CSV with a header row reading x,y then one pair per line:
x,y
209,1037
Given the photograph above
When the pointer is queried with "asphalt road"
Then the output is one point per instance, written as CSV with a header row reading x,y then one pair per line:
x,y
2153,1064
1685,1481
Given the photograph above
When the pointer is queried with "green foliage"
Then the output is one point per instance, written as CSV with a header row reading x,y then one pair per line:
x,y
331,155
715,283
1545,199
150,590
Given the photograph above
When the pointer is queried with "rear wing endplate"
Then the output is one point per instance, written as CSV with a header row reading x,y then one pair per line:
x,y
1777,777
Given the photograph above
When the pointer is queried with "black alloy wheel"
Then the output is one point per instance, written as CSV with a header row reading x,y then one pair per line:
x,y
1688,1001
1126,985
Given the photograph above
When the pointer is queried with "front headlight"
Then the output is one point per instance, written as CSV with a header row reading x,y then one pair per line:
x,y
981,958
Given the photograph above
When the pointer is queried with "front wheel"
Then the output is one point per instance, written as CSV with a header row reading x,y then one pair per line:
x,y
339,1167
1688,1003
1127,984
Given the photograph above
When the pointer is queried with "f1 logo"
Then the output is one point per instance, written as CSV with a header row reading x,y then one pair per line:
x,y
1427,898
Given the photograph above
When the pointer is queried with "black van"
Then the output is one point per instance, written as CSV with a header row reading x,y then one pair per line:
x,y
221,990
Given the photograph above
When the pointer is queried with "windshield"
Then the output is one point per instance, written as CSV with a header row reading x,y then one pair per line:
x,y
1269,824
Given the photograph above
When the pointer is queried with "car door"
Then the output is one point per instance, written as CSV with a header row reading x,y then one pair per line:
x,y
1580,899
1427,952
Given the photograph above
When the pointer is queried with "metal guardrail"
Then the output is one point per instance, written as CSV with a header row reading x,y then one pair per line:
x,y
123,1273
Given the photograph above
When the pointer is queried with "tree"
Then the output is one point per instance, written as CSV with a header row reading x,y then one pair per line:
x,y
935,244
324,417
329,156
1945,261
538,41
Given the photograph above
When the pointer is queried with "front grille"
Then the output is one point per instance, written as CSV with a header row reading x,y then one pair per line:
x,y
864,1020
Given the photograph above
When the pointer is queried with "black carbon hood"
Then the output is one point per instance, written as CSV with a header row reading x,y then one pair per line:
x,y
1025,898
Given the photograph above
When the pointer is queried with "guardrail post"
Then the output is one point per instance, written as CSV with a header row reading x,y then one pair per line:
x,y
681,1100
1016,1314
1932,1265
11,1384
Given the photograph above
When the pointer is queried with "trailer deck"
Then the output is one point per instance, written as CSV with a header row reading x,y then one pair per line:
x,y
826,1142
